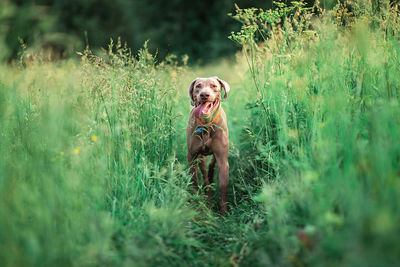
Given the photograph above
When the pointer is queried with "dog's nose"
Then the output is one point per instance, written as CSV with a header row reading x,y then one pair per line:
x,y
204,95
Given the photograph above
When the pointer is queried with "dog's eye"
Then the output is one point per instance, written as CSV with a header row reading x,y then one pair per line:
x,y
213,86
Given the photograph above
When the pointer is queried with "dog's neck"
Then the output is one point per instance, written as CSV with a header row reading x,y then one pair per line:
x,y
210,117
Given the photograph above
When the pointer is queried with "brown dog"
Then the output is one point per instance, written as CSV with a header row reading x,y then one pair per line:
x,y
207,134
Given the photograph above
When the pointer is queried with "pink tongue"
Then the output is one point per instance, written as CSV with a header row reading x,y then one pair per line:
x,y
198,111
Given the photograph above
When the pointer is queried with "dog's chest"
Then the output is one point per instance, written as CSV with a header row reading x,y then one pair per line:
x,y
202,143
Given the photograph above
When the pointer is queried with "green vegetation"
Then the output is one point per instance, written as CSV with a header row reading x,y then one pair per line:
x,y
93,158
196,28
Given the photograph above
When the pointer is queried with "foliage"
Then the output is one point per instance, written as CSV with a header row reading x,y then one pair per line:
x,y
93,163
81,181
323,133
197,28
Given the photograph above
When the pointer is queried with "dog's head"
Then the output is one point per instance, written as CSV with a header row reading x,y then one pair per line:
x,y
205,94
207,90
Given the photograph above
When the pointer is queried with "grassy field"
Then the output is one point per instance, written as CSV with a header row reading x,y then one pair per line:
x,y
93,165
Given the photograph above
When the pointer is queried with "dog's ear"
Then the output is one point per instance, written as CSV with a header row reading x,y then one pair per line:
x,y
191,87
225,85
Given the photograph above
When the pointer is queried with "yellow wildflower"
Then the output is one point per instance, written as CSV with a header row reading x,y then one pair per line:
x,y
95,138
76,150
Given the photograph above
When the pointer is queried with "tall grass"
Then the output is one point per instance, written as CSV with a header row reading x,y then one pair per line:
x,y
88,171
324,134
92,156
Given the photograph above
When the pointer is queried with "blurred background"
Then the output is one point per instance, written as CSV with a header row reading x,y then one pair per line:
x,y
198,29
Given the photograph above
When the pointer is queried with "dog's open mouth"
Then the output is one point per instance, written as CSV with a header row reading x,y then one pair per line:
x,y
205,108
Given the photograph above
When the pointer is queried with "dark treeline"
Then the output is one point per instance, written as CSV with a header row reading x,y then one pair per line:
x,y
196,28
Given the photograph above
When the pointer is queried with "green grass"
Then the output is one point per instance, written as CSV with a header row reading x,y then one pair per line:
x,y
93,165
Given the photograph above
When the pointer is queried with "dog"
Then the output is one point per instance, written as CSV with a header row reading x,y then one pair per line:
x,y
207,134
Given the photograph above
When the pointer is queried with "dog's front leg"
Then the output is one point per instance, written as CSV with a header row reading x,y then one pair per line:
x,y
203,169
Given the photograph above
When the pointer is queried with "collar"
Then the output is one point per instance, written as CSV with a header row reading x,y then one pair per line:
x,y
213,121
205,125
